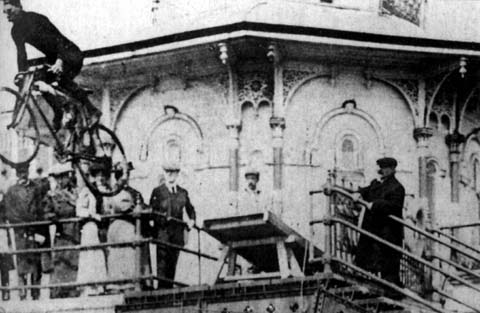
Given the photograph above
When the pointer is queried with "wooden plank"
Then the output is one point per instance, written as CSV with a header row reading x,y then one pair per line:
x,y
253,276
295,268
256,242
282,259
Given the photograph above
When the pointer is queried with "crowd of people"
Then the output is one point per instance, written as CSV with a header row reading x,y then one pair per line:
x,y
93,220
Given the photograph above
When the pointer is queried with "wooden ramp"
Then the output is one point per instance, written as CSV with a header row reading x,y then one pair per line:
x,y
273,248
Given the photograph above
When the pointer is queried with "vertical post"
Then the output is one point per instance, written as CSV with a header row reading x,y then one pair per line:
x,y
454,142
234,146
327,257
278,125
233,123
138,248
422,136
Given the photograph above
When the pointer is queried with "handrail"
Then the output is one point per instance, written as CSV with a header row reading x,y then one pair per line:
x,y
100,282
103,217
432,237
458,266
465,225
457,241
414,228
107,245
446,295
398,249
404,292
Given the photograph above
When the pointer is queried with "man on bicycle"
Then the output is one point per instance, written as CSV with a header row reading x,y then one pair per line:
x,y
65,58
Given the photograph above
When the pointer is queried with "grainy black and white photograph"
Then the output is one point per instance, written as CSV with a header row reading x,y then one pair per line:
x,y
250,156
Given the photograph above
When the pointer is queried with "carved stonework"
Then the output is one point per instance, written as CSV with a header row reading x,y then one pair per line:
x,y
443,103
410,87
431,85
255,87
118,95
291,78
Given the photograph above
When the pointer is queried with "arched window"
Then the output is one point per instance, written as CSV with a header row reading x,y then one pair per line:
x,y
173,152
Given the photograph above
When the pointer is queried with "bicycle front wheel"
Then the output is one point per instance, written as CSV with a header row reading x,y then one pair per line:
x,y
102,147
19,145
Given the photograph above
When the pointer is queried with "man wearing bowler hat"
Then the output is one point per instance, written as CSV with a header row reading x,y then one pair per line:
x,y
384,197
170,200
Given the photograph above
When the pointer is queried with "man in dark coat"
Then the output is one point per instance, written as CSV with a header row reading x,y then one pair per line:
x,y
170,199
22,205
385,198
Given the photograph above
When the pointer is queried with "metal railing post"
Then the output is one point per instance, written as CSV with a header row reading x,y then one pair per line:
x,y
138,236
327,257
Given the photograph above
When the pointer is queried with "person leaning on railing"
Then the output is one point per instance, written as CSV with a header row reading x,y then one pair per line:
x,y
384,198
91,263
120,260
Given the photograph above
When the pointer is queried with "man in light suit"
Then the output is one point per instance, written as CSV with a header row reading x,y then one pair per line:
x,y
170,199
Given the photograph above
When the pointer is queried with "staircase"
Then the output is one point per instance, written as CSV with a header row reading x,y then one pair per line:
x,y
435,284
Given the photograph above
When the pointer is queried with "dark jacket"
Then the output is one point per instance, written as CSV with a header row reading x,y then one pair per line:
x,y
387,198
37,30
163,201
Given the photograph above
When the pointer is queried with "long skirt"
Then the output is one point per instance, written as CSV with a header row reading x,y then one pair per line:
x,y
91,263
121,260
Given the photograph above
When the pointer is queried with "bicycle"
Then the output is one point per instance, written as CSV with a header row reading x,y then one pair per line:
x,y
75,142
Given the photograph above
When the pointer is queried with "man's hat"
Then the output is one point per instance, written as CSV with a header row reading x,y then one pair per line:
x,y
16,3
387,162
59,169
252,172
171,167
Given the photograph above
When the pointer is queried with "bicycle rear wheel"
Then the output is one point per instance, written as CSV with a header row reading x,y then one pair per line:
x,y
20,144
103,148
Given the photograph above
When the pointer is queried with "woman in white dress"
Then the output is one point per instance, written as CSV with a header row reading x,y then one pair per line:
x,y
91,264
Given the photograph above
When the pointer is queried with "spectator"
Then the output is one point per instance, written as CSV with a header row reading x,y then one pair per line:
x,y
252,200
170,199
91,263
60,204
23,204
384,198
121,260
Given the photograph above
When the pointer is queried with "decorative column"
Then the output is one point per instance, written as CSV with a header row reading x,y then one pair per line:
x,y
454,142
233,162
233,125
422,136
277,123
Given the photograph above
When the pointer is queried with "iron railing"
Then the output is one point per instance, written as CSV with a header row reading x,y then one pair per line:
x,y
137,243
343,228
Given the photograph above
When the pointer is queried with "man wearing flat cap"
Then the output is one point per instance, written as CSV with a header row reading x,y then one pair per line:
x,y
170,199
252,200
384,197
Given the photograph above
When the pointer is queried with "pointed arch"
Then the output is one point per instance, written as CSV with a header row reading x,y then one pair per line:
x,y
127,102
405,97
